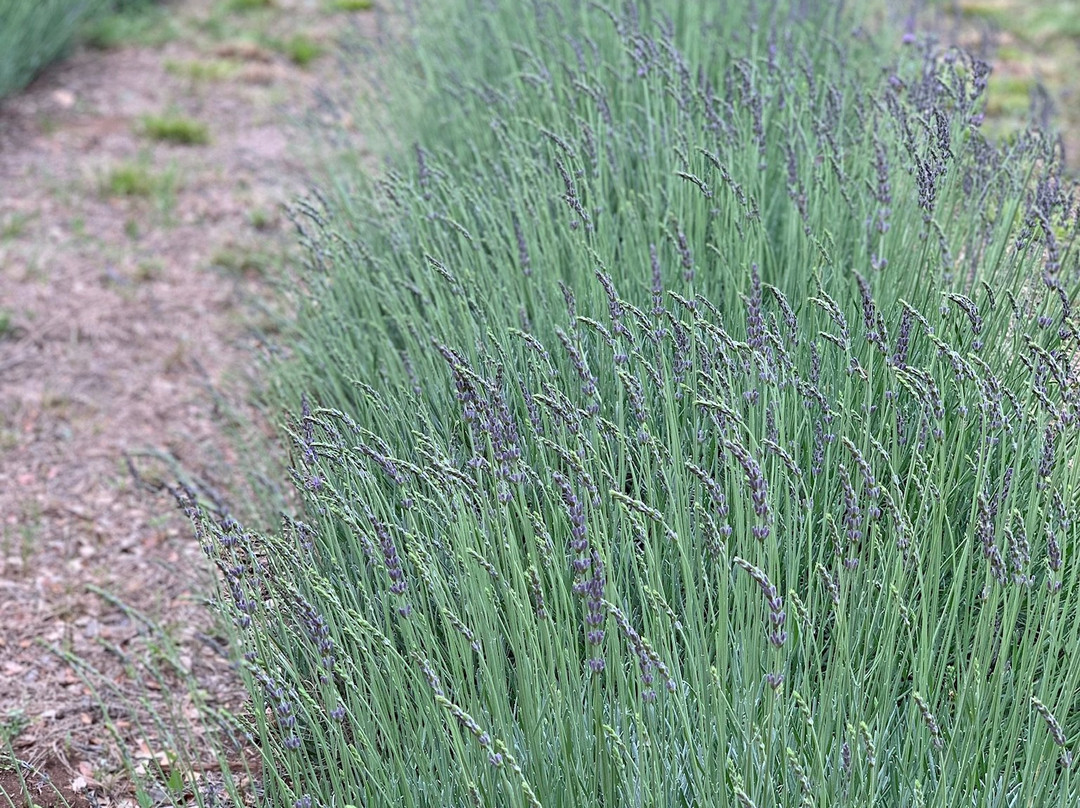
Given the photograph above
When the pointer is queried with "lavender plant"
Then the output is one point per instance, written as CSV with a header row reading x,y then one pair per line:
x,y
691,421
34,34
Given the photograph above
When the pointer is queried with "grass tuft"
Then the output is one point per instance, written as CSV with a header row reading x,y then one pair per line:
x,y
138,180
249,5
301,50
142,23
243,262
129,180
352,5
204,70
176,129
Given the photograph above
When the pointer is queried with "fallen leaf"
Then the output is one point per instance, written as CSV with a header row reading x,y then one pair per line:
x,y
86,773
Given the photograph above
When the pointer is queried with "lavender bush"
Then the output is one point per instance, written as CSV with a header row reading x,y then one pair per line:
x,y
691,420
33,34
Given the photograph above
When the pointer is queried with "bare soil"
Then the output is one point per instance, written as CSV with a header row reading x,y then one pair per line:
x,y
129,268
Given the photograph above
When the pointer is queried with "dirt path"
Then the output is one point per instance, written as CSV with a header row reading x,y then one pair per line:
x,y
127,269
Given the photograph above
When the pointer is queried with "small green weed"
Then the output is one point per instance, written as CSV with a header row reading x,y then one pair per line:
x,y
129,180
203,69
12,724
9,439
14,226
176,129
1009,95
148,26
6,326
242,262
147,270
249,5
261,219
352,5
138,180
1035,22
302,50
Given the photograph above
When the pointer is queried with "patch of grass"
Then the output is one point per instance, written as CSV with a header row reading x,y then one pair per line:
x,y
208,70
6,325
146,25
1050,20
173,726
12,723
351,5
176,129
1009,95
1032,22
138,180
977,9
301,50
240,261
14,225
249,5
9,439
148,269
47,123
261,219
130,180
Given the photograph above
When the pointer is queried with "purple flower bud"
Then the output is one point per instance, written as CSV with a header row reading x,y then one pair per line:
x,y
524,262
759,490
755,325
686,258
657,283
777,616
903,339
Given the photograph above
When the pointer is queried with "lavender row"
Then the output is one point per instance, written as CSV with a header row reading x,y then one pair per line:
x,y
689,420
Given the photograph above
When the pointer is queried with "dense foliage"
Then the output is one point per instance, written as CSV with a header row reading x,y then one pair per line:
x,y
34,33
691,420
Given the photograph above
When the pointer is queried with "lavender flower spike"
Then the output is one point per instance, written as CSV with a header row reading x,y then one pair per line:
x,y
777,616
